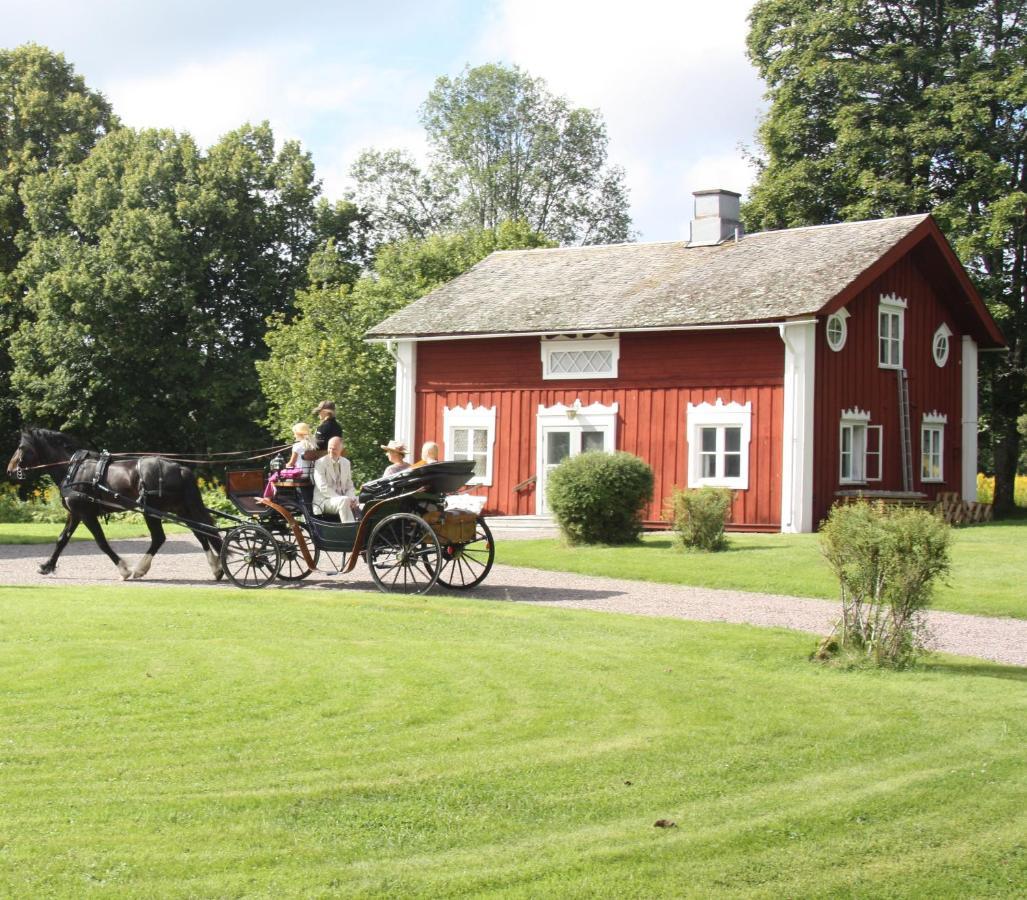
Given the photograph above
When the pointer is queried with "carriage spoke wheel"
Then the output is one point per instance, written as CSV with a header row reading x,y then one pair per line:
x,y
403,555
466,565
250,556
294,566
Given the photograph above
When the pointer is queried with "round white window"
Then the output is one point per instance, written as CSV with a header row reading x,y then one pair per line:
x,y
940,346
837,330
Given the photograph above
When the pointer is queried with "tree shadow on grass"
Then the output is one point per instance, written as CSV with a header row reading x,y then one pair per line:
x,y
975,669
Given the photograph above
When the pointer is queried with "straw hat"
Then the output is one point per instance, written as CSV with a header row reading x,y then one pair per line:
x,y
325,404
394,447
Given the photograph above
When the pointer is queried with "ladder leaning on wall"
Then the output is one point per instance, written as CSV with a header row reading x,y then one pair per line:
x,y
905,431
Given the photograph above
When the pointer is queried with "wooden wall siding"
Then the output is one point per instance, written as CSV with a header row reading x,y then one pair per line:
x,y
660,375
851,377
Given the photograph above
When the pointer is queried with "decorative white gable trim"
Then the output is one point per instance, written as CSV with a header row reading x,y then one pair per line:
x,y
855,415
471,416
576,357
940,345
719,415
935,418
893,300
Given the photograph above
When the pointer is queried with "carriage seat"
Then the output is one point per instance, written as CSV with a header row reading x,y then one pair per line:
x,y
244,488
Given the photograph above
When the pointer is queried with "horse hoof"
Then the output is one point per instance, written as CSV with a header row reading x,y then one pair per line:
x,y
46,569
125,571
219,574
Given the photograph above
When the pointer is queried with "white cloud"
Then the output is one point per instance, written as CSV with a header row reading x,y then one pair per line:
x,y
670,78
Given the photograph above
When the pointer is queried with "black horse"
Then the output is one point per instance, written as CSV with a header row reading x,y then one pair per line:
x,y
166,485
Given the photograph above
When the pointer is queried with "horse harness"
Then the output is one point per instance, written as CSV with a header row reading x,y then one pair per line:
x,y
79,485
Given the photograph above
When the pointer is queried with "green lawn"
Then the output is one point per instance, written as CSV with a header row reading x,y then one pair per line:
x,y
989,565
202,742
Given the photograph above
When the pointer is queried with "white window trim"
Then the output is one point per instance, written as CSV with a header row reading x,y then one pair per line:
x,y
719,414
471,416
935,422
556,344
943,330
839,317
880,453
850,418
573,417
894,305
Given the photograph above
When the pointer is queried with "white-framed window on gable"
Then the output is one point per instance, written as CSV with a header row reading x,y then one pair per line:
x,y
470,433
718,444
891,316
837,329
859,448
565,357
932,447
940,345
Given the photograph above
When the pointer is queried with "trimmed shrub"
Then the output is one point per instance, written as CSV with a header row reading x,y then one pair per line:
x,y
887,561
699,517
598,498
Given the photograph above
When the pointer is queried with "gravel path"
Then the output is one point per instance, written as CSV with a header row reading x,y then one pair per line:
x,y
180,563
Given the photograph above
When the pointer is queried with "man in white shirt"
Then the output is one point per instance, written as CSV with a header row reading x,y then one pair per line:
x,y
334,493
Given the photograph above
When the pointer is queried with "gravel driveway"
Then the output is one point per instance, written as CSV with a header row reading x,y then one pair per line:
x,y
180,563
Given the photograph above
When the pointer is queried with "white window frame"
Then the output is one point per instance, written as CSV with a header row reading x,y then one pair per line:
x,y
895,309
879,453
471,417
839,318
576,419
943,332
933,423
855,421
719,415
565,343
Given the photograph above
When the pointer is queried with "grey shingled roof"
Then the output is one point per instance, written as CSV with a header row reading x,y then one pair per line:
x,y
764,276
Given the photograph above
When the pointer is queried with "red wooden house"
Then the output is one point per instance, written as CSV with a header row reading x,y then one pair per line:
x,y
792,366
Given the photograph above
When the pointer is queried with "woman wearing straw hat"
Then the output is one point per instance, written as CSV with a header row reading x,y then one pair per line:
x,y
395,451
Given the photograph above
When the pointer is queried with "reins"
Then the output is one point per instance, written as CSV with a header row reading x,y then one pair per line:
x,y
262,453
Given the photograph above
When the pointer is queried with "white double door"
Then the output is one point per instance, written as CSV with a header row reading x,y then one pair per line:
x,y
561,436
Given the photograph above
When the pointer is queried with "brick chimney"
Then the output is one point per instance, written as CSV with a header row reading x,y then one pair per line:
x,y
717,218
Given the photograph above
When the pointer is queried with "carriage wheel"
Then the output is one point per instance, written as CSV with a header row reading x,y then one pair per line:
x,y
294,566
403,554
466,565
250,556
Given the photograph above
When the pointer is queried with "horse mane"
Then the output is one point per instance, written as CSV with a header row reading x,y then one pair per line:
x,y
51,438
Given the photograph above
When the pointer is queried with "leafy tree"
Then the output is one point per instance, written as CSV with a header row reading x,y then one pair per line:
x,y
887,107
503,148
150,274
49,120
321,353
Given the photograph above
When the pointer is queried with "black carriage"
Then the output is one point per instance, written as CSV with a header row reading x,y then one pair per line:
x,y
405,533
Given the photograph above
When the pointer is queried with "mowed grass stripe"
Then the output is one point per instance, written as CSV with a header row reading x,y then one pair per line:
x,y
183,742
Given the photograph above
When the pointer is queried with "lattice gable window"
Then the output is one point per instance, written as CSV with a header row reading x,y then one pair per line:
x,y
580,357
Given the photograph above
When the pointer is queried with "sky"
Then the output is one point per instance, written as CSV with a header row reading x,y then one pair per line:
x,y
680,100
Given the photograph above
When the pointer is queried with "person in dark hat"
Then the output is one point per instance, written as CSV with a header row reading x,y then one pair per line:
x,y
328,428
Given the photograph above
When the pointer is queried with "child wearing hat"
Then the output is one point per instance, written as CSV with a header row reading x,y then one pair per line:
x,y
297,467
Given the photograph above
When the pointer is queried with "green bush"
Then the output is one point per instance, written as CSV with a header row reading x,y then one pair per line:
x,y
700,516
43,504
887,561
598,498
